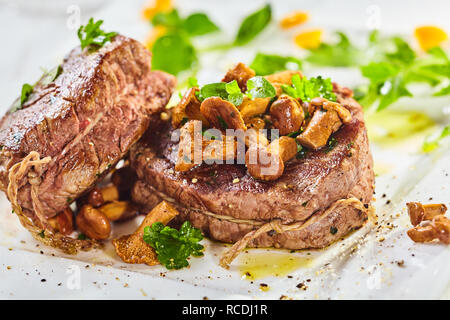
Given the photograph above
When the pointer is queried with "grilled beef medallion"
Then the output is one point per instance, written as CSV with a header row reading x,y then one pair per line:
x,y
320,196
74,128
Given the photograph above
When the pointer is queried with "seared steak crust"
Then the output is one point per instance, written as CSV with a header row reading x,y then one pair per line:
x,y
86,120
307,185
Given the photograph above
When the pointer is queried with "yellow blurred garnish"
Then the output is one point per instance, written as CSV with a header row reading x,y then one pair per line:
x,y
155,33
309,39
156,6
293,19
430,36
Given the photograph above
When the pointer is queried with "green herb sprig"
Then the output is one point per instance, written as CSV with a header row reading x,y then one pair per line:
x,y
172,246
257,87
92,36
307,89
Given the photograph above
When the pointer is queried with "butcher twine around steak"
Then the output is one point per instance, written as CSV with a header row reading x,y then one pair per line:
x,y
317,200
71,131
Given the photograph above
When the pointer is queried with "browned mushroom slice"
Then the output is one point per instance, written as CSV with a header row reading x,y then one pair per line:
x,y
132,248
253,107
253,137
283,77
222,114
219,150
286,114
188,107
436,229
319,129
285,146
256,123
241,73
263,163
190,146
419,212
280,78
322,103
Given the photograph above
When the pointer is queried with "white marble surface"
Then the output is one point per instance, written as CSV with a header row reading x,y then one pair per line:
x,y
35,33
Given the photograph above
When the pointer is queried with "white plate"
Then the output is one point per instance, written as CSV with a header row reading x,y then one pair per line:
x,y
373,262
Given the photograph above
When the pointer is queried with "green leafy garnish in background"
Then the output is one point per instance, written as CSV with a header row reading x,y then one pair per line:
x,y
390,75
432,142
307,89
264,64
91,35
173,53
252,25
172,246
259,87
340,54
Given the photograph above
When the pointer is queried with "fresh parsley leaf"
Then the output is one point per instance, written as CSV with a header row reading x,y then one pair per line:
x,y
265,64
432,142
340,54
92,35
307,89
227,91
172,246
173,53
253,25
235,95
198,24
213,90
259,87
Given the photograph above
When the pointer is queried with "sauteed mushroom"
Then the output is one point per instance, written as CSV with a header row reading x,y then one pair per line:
x,y
286,114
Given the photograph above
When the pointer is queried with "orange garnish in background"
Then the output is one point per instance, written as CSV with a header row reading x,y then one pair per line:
x,y
155,33
293,19
430,36
156,6
309,39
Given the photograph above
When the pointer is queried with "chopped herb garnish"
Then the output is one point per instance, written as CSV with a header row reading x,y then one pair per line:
x,y
184,121
304,204
92,36
332,142
172,246
307,89
42,234
235,95
222,123
81,236
333,230
26,91
69,200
